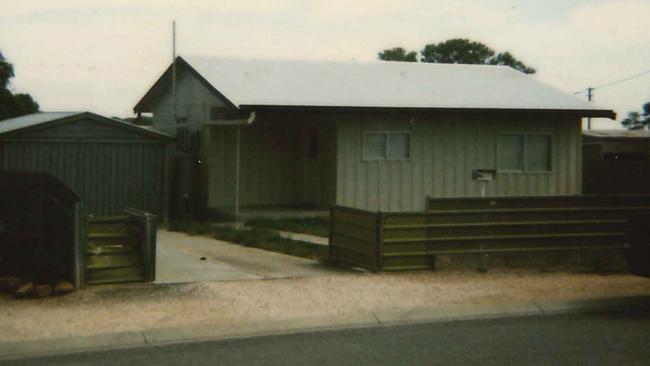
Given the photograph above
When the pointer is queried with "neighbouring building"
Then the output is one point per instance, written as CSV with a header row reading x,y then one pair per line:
x,y
377,136
616,161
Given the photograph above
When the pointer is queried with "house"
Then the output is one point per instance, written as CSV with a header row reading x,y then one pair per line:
x,y
377,136
616,161
109,164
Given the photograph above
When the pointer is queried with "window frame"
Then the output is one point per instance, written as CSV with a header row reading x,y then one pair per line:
x,y
387,134
525,153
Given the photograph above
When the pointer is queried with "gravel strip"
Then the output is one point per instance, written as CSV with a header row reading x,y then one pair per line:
x,y
114,308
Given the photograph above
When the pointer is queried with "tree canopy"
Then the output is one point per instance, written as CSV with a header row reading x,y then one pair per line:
x,y
636,120
12,105
457,51
398,54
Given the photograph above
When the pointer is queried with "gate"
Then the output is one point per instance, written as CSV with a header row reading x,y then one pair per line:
x,y
121,248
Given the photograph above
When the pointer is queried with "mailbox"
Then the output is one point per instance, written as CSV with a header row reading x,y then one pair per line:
x,y
483,176
486,175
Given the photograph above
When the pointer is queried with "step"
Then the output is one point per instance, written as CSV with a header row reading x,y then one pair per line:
x,y
109,235
111,249
113,260
115,275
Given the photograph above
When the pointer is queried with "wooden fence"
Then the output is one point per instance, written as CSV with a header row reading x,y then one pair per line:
x,y
121,248
410,240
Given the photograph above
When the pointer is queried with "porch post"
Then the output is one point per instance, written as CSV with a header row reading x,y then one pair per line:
x,y
237,162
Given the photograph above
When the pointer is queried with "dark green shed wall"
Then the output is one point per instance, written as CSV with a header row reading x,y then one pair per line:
x,y
109,167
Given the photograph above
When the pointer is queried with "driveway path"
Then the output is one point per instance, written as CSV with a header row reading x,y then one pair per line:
x,y
179,260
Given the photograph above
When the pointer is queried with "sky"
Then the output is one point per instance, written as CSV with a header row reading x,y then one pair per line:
x,y
103,56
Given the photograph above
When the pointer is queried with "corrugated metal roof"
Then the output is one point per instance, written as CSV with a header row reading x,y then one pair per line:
x,y
250,82
35,119
638,134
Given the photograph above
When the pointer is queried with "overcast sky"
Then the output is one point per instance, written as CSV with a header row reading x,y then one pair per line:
x,y
103,55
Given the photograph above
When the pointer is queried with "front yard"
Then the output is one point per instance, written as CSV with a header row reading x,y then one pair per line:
x,y
257,237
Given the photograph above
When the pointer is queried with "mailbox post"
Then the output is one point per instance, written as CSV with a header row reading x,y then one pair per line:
x,y
483,176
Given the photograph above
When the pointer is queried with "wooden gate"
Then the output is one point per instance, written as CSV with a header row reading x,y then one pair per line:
x,y
120,248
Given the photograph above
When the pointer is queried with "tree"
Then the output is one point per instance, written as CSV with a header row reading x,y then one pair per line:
x,y
633,121
461,51
457,51
13,105
507,59
636,120
398,54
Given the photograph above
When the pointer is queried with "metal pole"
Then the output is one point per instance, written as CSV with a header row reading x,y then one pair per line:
x,y
237,162
174,69
589,96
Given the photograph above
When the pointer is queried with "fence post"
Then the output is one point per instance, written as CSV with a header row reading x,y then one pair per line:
x,y
330,243
150,227
378,241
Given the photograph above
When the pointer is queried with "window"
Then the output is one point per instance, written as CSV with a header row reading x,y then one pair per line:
x,y
524,152
538,153
398,146
386,145
374,146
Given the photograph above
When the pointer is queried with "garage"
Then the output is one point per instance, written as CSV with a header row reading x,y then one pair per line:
x,y
109,164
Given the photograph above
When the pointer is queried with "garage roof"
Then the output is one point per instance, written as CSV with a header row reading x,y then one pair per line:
x,y
251,83
618,134
43,119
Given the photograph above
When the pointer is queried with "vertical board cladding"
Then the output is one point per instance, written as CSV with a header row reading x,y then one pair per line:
x,y
275,164
110,166
193,102
444,149
107,176
221,167
271,172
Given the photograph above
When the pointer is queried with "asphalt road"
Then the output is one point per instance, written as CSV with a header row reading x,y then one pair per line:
x,y
607,338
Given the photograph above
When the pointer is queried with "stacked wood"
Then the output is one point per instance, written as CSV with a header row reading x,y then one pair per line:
x,y
42,291
26,288
63,287
9,284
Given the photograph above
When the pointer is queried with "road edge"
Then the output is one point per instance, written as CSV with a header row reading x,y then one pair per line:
x,y
164,336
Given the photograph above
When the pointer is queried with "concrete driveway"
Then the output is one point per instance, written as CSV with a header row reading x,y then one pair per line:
x,y
179,260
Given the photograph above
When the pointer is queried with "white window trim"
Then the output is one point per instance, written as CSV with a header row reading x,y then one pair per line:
x,y
525,152
387,133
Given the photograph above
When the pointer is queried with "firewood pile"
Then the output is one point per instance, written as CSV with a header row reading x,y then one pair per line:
x,y
24,288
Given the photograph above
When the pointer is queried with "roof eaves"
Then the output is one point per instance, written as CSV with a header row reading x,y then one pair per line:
x,y
144,105
593,113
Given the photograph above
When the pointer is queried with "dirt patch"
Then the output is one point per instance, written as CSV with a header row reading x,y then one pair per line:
x,y
144,306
